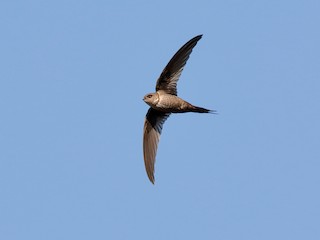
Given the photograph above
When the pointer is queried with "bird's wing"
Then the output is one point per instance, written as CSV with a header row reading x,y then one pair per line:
x,y
171,73
151,135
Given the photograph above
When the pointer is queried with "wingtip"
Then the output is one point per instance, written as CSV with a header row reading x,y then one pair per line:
x,y
151,178
198,37
150,175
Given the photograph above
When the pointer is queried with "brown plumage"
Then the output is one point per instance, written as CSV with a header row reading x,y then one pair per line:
x,y
164,102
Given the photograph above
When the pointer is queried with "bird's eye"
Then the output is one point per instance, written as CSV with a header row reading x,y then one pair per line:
x,y
149,96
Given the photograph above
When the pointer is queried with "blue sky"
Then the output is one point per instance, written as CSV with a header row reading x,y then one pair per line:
x,y
73,75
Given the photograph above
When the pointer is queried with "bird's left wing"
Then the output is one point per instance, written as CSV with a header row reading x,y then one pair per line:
x,y
171,73
151,136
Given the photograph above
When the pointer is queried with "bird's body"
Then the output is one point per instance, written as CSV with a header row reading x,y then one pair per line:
x,y
164,102
169,103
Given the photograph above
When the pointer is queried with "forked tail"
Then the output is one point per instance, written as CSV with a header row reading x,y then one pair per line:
x,y
201,110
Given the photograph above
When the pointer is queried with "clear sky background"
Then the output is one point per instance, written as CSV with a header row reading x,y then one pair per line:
x,y
72,78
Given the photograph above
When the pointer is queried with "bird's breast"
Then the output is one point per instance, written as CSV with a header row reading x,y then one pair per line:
x,y
169,103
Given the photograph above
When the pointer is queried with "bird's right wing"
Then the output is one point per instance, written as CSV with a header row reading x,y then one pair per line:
x,y
151,136
171,73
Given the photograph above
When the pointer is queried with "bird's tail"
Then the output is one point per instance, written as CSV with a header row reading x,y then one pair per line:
x,y
201,110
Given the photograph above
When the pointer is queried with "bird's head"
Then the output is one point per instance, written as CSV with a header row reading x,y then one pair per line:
x,y
151,99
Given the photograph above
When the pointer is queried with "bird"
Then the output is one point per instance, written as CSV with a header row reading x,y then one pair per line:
x,y
164,102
